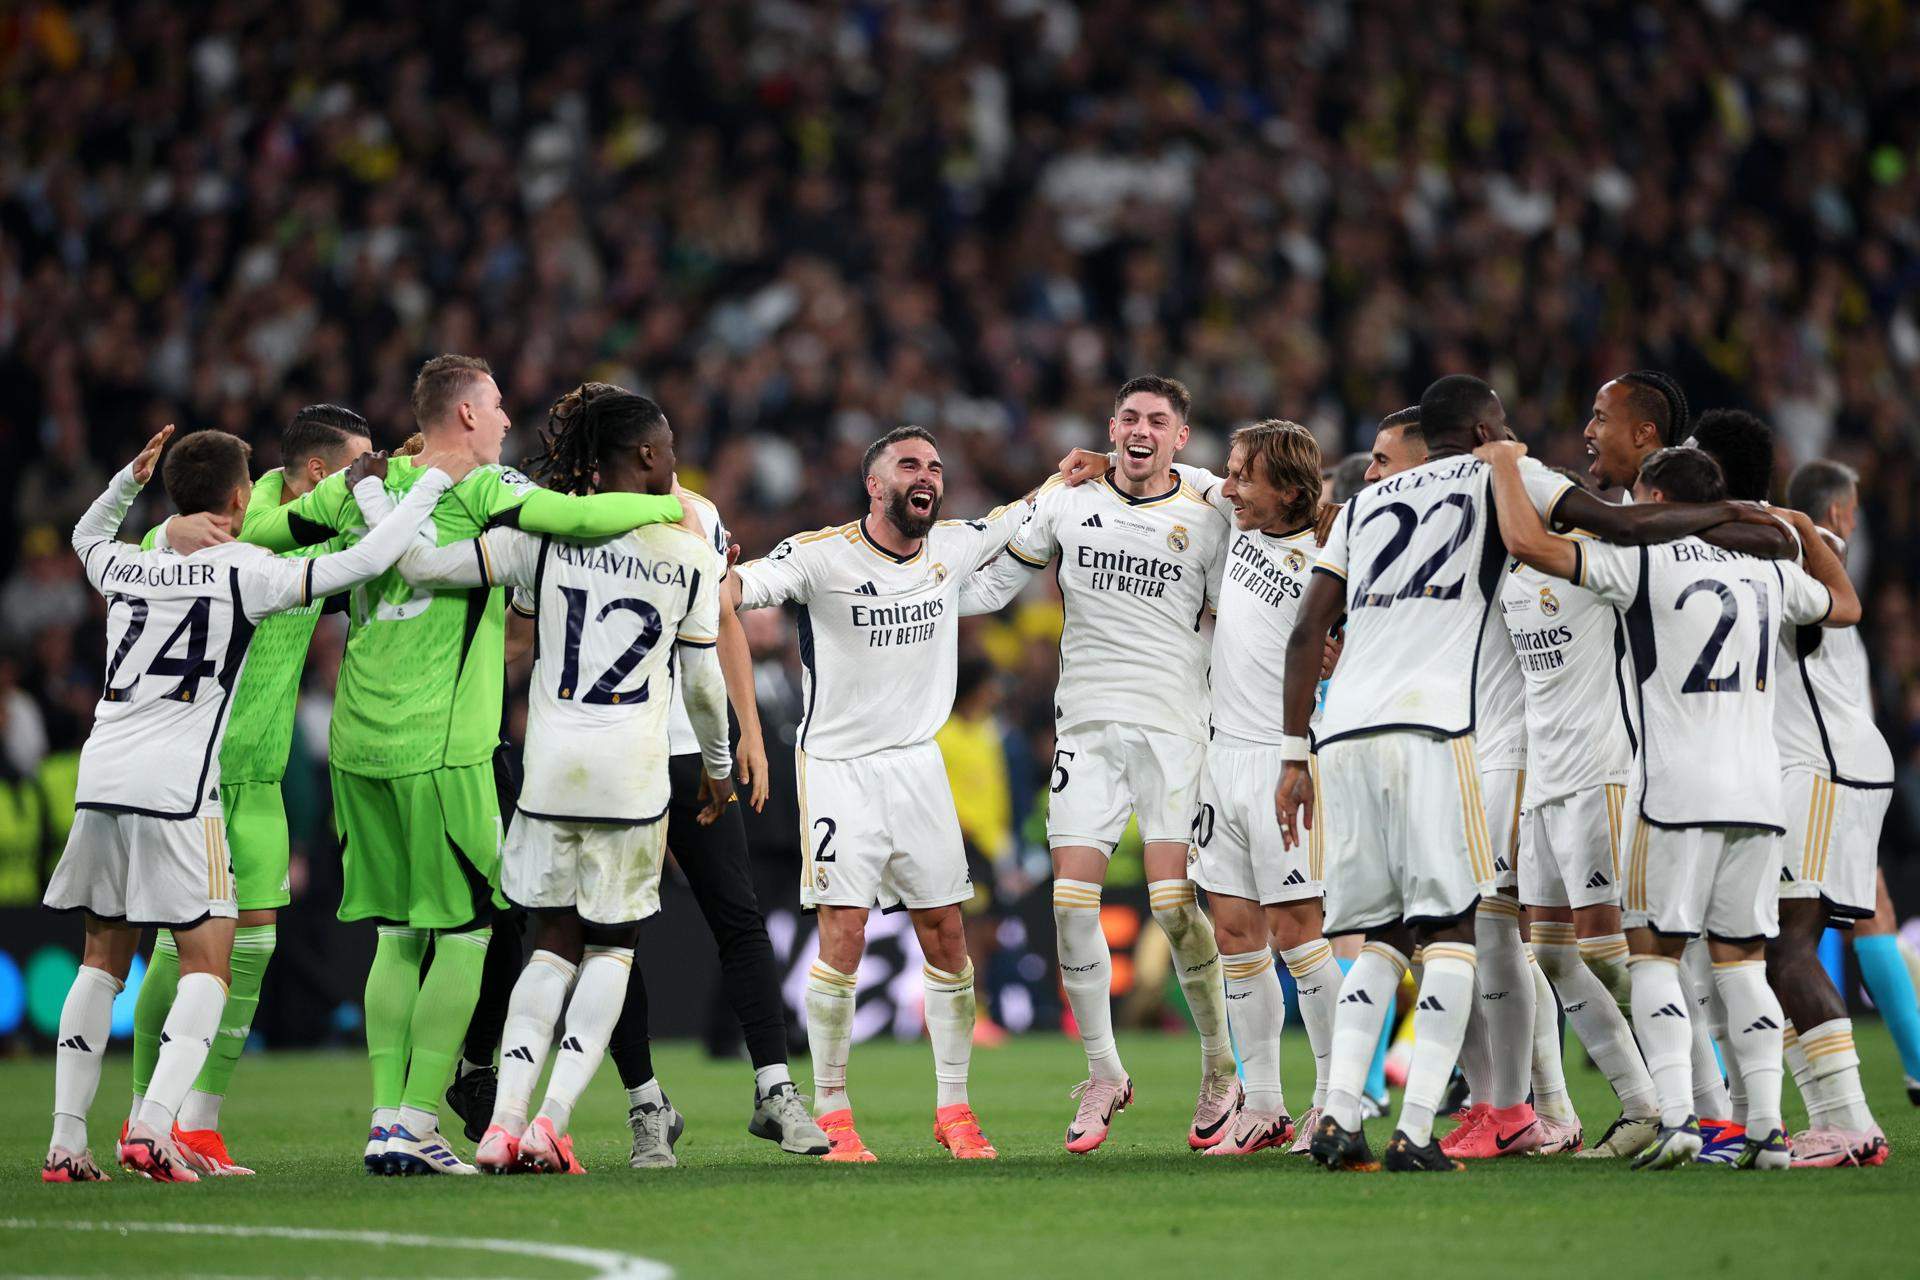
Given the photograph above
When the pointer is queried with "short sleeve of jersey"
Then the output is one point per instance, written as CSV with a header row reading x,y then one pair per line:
x,y
1333,556
1610,572
1804,601
701,627
791,571
1033,543
1544,485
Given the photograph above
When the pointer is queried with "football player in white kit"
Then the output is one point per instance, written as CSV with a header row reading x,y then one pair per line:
x,y
879,641
1702,629
1265,895
1140,553
1407,847
148,845
1837,780
587,844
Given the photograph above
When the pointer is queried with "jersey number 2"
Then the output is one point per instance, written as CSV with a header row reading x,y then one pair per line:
x,y
1419,584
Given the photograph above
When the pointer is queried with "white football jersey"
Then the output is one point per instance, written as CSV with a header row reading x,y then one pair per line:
x,y
681,740
1422,561
177,634
1702,626
1137,576
1260,594
1823,718
879,635
607,617
1563,637
1500,718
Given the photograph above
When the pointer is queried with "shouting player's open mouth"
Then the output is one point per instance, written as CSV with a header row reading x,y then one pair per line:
x,y
920,499
1140,452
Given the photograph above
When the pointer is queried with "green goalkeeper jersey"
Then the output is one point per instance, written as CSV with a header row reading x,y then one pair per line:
x,y
424,674
259,733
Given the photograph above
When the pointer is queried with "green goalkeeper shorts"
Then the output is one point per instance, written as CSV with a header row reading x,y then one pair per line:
x,y
421,851
257,842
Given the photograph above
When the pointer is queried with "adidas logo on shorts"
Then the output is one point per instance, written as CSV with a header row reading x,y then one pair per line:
x,y
1598,880
1762,1023
1500,863
1294,877
1786,876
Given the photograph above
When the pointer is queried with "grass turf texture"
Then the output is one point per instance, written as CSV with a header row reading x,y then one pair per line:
x,y
1142,1203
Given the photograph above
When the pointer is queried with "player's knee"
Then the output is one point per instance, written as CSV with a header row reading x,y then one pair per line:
x,y
1295,923
614,937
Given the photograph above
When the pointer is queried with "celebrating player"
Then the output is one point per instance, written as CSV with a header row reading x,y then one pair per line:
x,y
587,844
879,638
148,845
1140,556
320,440
1704,837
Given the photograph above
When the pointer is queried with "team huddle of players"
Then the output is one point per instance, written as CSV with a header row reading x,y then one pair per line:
x,y
1474,691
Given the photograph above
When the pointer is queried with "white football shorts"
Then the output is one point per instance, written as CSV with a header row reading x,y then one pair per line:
x,y
1832,846
880,831
1570,849
1406,829
173,872
609,875
1237,848
1720,881
1500,791
1105,773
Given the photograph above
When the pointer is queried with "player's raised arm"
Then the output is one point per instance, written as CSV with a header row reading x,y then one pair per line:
x,y
589,515
101,521
1527,537
1825,568
1643,524
790,572
1030,549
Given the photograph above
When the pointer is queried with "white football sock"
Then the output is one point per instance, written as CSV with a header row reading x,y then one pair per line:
x,y
764,1078
185,1038
1595,1018
1366,998
950,1017
1439,1024
385,1117
1833,1070
201,1110
1660,1017
1711,1096
591,1012
1257,1009
1506,999
830,1000
1316,987
86,1020
1086,972
1196,960
1606,955
1754,1023
1476,1055
646,1093
533,1010
1549,1071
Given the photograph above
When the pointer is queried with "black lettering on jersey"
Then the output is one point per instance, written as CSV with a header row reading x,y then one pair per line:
x,y
604,559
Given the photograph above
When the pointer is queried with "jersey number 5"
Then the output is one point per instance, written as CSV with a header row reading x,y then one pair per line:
x,y
606,690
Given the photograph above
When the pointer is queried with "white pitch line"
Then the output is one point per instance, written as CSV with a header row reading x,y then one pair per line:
x,y
604,1264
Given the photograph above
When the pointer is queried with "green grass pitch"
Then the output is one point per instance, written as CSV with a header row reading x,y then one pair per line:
x,y
1141,1205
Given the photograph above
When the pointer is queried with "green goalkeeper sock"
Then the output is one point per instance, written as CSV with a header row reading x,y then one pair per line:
x,y
252,950
393,988
440,1018
150,1009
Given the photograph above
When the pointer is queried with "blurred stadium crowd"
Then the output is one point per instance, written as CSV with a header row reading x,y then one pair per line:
x,y
798,224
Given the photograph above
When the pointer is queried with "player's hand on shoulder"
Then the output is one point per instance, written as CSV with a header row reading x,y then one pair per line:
x,y
197,532
367,464
1323,523
1082,465
715,795
1495,452
148,458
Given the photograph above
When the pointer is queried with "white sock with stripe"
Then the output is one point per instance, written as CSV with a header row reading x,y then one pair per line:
x,y
594,1007
830,1003
184,1041
1439,1024
1833,1071
1316,988
1606,955
1660,1017
1714,1096
1752,1039
1196,961
533,1010
1549,1070
1506,999
1086,973
1366,998
1257,1009
86,1020
1595,1018
950,1015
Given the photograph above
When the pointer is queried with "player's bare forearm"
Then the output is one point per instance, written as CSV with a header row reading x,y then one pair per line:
x,y
1526,535
1306,647
1829,571
736,665
1760,536
519,636
1642,524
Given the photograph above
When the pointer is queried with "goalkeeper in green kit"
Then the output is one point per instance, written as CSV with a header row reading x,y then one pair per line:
x,y
415,719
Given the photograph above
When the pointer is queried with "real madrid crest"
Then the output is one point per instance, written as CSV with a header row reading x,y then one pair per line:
x,y
939,573
1548,605
820,879
1177,540
1294,561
